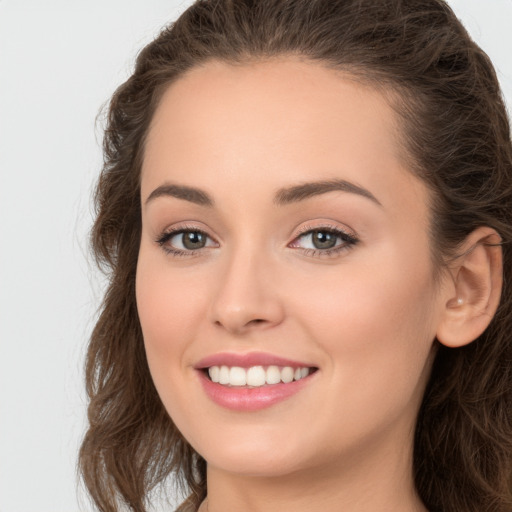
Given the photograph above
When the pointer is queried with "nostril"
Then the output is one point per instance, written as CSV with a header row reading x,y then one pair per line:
x,y
256,321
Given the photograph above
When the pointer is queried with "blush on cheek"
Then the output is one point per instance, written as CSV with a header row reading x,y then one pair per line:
x,y
170,309
364,314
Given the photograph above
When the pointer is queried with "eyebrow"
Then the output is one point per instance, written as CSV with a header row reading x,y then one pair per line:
x,y
191,194
284,196
303,191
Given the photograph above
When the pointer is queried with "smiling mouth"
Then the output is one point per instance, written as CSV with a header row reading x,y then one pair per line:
x,y
256,376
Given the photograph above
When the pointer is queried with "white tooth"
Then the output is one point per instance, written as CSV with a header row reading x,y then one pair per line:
x,y
304,372
237,376
256,376
297,374
224,375
273,375
287,374
214,373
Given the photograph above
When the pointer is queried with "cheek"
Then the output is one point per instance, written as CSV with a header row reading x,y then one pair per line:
x,y
378,341
169,309
376,325
372,309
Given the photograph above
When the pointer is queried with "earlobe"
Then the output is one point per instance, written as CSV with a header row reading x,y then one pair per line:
x,y
472,299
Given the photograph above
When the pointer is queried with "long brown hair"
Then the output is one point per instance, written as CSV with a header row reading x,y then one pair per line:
x,y
457,138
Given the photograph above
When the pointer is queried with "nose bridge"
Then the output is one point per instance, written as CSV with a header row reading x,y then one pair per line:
x,y
246,296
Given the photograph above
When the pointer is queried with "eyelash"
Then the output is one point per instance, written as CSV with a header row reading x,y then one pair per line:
x,y
349,240
178,253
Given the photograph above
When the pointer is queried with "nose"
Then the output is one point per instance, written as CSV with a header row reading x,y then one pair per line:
x,y
247,297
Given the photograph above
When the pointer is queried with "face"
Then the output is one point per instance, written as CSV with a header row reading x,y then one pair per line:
x,y
283,238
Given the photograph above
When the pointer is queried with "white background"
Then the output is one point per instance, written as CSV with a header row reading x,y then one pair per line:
x,y
60,60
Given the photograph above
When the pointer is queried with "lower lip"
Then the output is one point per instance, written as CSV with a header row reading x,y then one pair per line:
x,y
251,399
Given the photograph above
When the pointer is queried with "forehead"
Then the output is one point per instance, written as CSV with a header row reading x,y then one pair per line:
x,y
298,97
285,119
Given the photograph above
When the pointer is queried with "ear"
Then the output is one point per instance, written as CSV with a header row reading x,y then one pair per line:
x,y
472,297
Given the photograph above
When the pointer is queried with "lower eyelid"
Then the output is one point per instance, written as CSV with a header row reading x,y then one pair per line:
x,y
328,252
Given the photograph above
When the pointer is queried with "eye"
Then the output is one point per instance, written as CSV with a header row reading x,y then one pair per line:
x,y
324,241
184,242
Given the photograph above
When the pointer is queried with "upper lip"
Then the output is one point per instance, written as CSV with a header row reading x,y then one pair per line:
x,y
247,360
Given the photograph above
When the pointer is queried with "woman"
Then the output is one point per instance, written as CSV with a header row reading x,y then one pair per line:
x,y
306,214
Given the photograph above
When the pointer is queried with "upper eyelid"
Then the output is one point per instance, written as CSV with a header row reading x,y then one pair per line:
x,y
169,233
176,229
326,227
303,230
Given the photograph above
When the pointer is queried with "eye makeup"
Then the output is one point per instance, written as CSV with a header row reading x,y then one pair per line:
x,y
324,241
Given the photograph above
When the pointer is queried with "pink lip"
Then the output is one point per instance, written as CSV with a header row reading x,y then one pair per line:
x,y
251,399
248,360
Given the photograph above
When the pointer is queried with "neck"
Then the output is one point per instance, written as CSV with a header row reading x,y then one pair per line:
x,y
377,480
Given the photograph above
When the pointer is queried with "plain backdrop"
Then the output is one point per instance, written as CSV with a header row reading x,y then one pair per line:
x,y
60,60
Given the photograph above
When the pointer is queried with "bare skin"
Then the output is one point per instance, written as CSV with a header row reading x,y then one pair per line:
x,y
364,313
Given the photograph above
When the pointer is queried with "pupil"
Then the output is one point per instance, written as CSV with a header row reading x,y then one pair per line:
x,y
323,240
193,240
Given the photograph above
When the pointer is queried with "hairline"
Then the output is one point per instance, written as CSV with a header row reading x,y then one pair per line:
x,y
395,94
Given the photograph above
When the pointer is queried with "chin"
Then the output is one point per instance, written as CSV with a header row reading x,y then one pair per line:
x,y
255,455
259,465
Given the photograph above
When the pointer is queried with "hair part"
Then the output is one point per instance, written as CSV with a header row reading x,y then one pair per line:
x,y
456,137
